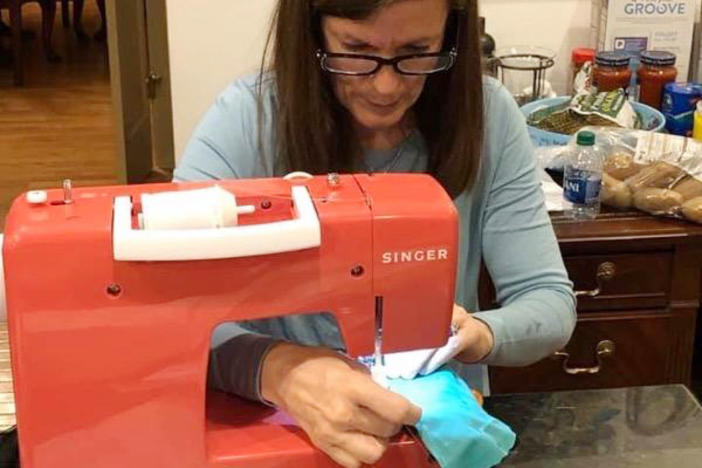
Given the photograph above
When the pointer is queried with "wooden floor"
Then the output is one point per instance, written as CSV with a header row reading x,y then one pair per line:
x,y
60,124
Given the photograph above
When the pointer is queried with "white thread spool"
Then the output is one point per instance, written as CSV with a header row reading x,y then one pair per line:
x,y
207,208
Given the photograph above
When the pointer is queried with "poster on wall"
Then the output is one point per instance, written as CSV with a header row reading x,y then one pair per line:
x,y
637,25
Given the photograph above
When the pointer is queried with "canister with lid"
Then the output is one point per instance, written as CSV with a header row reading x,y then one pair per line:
x,y
678,105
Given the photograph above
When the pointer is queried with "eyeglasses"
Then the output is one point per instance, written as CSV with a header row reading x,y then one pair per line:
x,y
363,65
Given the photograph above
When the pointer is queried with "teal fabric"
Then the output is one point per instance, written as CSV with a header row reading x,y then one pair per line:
x,y
503,221
454,427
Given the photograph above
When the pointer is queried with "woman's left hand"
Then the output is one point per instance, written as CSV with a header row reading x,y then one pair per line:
x,y
472,341
475,337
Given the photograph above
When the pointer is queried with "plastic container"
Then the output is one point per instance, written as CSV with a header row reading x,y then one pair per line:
x,y
582,178
611,71
656,70
678,106
697,129
579,57
651,119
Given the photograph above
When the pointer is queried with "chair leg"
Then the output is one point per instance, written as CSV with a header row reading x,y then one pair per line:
x,y
78,19
101,34
65,17
48,15
16,26
4,29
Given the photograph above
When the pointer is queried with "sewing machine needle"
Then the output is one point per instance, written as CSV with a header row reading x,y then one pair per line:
x,y
378,367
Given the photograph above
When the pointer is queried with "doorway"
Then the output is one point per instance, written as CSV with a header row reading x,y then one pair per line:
x,y
141,90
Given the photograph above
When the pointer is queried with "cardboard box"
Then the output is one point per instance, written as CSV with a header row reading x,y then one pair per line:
x,y
637,25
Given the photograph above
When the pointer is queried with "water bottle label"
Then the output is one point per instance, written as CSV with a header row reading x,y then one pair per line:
x,y
582,187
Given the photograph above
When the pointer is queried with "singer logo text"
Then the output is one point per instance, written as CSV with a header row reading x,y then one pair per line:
x,y
411,256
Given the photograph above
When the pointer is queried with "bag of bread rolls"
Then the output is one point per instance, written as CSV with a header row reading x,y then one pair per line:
x,y
660,174
689,187
615,192
658,201
657,173
621,165
692,209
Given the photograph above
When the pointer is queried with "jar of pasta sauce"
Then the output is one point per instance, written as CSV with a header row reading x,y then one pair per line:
x,y
611,71
656,70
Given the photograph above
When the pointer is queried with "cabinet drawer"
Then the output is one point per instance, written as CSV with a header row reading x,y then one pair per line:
x,y
641,355
621,281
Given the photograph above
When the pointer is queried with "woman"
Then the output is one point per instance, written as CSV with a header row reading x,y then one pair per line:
x,y
387,85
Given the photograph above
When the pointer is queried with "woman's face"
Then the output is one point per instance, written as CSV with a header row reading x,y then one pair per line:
x,y
379,102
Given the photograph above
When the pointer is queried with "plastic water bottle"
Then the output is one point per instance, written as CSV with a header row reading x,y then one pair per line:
x,y
582,178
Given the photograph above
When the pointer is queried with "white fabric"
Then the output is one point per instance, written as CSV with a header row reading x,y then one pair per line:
x,y
408,364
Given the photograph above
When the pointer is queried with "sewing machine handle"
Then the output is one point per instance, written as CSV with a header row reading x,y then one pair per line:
x,y
131,244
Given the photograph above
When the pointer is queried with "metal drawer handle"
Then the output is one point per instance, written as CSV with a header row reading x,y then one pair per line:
x,y
604,349
605,272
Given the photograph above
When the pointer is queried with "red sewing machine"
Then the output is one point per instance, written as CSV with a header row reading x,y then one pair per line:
x,y
110,321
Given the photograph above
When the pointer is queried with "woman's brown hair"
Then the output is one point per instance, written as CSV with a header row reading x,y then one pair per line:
x,y
314,132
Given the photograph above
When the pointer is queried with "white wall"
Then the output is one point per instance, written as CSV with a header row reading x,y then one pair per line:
x,y
559,25
211,42
211,46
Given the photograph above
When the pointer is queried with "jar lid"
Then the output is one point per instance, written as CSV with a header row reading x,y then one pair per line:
x,y
583,54
657,57
610,58
683,89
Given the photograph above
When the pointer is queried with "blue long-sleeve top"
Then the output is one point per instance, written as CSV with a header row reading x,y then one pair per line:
x,y
503,221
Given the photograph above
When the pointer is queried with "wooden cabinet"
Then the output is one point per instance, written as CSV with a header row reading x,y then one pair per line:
x,y
639,285
621,280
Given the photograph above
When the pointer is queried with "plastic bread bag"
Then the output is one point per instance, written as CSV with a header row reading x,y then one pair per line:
x,y
657,173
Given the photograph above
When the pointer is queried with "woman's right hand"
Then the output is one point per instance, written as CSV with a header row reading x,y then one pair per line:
x,y
343,411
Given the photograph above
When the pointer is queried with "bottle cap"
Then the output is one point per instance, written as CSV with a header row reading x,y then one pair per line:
x,y
586,138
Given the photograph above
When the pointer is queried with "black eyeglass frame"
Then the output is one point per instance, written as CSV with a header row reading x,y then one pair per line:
x,y
381,61
452,54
